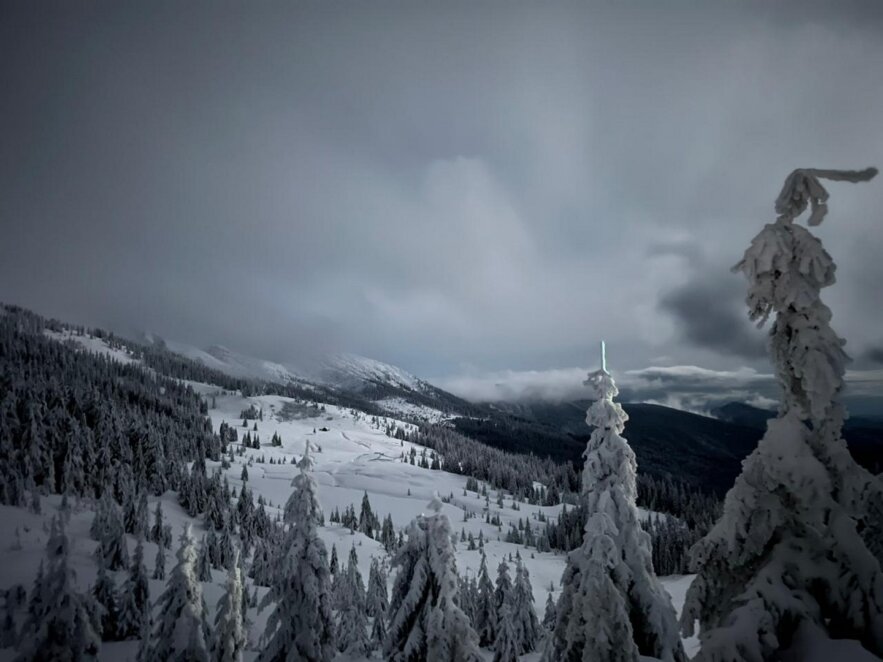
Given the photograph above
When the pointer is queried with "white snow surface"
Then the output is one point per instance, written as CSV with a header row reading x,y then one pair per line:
x,y
352,457
348,371
351,370
235,364
91,344
412,411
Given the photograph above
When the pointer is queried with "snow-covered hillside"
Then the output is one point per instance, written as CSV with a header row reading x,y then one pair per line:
x,y
391,388
354,456
354,372
90,343
235,364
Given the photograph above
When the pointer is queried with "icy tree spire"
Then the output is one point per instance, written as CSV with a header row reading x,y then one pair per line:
x,y
635,615
793,550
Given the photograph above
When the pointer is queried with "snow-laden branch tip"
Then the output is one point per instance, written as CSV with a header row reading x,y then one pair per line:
x,y
802,188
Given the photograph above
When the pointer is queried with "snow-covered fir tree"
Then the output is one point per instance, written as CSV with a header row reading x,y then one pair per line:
x,y
333,564
180,631
352,616
425,622
503,587
377,604
159,563
625,571
203,562
157,530
550,615
229,633
301,625
523,609
108,528
104,592
598,612
793,552
65,624
261,570
485,611
134,598
506,645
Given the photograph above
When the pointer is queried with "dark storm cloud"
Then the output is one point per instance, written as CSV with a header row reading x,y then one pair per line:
x,y
709,317
442,186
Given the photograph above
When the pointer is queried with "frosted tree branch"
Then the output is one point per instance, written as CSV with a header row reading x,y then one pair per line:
x,y
802,188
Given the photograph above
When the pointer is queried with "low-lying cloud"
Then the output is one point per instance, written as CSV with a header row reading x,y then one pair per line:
x,y
686,387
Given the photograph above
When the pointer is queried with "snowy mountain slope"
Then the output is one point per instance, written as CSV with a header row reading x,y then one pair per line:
x,y
235,364
355,372
89,343
391,388
353,456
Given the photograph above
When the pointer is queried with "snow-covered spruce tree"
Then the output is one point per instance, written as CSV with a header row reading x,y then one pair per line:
x,y
425,622
377,604
67,624
503,588
156,531
788,554
301,625
229,634
333,565
523,611
203,562
134,598
104,592
506,645
261,567
159,563
109,530
352,617
550,616
485,613
599,625
609,489
180,632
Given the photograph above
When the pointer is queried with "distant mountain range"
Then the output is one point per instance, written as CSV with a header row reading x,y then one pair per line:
x,y
704,451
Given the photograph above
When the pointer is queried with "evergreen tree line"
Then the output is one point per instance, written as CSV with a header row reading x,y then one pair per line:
x,y
77,423
369,523
694,510
671,535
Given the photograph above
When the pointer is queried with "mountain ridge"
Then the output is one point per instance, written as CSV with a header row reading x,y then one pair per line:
x,y
702,451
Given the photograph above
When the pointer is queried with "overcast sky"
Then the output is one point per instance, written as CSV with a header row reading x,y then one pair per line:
x,y
466,190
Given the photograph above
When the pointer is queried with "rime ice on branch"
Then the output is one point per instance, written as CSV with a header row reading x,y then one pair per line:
x,y
798,545
612,606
